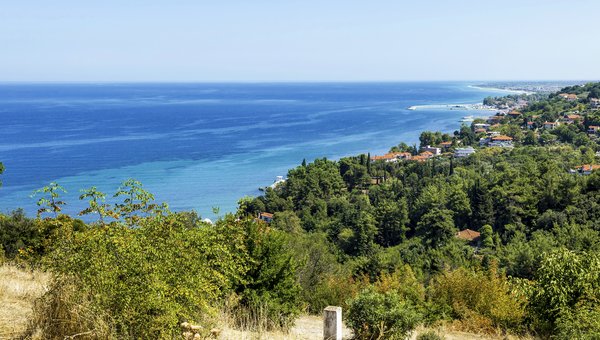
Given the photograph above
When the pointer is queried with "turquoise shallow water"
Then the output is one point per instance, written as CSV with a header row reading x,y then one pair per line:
x,y
198,146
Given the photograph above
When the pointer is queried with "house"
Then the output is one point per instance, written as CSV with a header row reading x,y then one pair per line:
x,y
550,125
464,152
514,114
595,103
481,126
469,235
445,145
530,125
264,216
494,119
570,119
480,131
391,157
568,96
593,129
585,169
501,141
427,154
435,151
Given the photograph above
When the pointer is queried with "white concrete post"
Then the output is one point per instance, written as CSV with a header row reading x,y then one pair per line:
x,y
332,323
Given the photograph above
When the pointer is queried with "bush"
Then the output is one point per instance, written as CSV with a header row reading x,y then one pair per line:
x,y
374,315
67,311
565,281
582,322
480,300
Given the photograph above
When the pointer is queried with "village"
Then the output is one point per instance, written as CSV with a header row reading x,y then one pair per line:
x,y
489,132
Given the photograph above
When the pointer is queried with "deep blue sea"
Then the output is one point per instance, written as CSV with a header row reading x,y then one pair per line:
x,y
199,146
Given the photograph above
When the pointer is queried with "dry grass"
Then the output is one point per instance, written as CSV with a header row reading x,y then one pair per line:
x,y
306,327
19,288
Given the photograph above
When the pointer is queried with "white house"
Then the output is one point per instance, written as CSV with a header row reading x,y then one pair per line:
x,y
464,152
501,141
435,151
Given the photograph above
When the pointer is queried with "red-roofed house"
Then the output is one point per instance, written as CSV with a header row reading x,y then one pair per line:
x,y
468,235
514,114
264,216
570,119
585,169
550,125
501,141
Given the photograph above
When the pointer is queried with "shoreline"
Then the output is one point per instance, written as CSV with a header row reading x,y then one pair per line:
x,y
450,107
483,88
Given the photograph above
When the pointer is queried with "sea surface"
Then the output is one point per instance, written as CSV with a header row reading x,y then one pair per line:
x,y
200,146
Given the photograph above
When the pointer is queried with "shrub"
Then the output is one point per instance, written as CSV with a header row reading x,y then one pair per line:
x,y
582,322
269,287
480,300
151,278
565,281
374,315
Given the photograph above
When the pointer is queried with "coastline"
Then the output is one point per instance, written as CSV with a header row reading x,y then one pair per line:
x,y
513,91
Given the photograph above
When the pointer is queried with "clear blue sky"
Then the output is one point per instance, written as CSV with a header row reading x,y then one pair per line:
x,y
298,40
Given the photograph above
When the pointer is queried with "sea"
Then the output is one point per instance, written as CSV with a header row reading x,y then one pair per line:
x,y
203,146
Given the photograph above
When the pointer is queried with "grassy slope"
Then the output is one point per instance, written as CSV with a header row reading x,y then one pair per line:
x,y
18,289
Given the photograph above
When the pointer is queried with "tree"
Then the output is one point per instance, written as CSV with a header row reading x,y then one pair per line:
x,y
137,202
96,204
49,202
437,226
487,236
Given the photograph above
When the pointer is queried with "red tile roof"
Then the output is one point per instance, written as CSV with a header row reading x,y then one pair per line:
x,y
502,138
468,234
588,167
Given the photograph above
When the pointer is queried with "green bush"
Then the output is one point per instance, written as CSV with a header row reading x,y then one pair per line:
x,y
582,322
373,315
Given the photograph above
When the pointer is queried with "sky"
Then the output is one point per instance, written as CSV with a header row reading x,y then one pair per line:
x,y
299,40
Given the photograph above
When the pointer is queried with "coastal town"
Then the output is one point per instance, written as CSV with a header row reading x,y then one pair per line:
x,y
512,125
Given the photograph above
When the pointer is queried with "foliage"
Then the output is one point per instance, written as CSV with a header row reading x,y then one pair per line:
x,y
567,284
374,315
479,300
49,202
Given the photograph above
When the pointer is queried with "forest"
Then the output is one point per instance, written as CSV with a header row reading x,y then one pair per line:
x,y
504,241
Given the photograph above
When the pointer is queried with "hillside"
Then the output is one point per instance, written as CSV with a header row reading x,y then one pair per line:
x,y
494,229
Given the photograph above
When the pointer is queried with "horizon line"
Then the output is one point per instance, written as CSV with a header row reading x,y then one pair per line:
x,y
282,81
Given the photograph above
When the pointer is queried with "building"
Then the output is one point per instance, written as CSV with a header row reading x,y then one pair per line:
x,y
585,169
501,141
469,235
550,125
481,126
530,125
494,119
464,152
391,157
568,96
570,119
595,103
445,145
593,129
435,151
264,216
514,114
